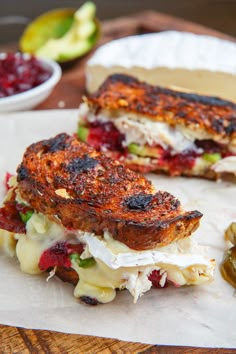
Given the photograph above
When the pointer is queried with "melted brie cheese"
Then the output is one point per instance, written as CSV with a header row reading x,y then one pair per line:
x,y
28,252
117,266
7,242
183,262
114,254
41,234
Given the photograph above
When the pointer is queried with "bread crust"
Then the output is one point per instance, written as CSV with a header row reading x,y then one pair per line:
x,y
211,115
88,191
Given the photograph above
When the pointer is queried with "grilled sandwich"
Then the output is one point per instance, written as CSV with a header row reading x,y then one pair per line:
x,y
75,212
152,128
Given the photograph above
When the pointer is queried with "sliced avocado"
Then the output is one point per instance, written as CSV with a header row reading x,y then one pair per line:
x,y
77,41
83,133
83,263
38,32
213,157
62,35
26,216
143,150
86,12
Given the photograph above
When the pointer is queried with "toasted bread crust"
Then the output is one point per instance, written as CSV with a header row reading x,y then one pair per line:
x,y
213,115
88,191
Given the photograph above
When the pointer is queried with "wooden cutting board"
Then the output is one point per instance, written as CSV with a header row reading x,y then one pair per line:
x,y
68,94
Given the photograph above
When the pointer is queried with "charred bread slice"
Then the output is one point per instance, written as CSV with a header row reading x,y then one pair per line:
x,y
85,190
153,128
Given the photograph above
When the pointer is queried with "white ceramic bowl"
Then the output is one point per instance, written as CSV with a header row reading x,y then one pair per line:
x,y
29,99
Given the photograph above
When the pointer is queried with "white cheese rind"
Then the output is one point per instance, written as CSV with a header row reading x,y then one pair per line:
x,y
130,258
228,165
168,49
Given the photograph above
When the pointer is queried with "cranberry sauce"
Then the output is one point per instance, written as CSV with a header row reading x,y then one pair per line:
x,y
155,278
19,74
10,219
179,162
105,135
7,179
58,255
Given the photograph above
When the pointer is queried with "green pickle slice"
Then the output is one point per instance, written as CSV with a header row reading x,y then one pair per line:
x,y
228,267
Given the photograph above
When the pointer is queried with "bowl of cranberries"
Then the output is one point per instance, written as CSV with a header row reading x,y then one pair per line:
x,y
25,81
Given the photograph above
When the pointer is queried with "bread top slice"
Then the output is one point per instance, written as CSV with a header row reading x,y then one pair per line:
x,y
86,190
211,117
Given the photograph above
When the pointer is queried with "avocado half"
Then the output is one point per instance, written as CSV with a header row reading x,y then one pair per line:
x,y
62,34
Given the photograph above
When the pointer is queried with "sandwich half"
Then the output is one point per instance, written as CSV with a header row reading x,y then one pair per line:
x,y
76,213
152,128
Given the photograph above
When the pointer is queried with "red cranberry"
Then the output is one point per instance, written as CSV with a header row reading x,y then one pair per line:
x,y
19,73
155,278
10,219
89,300
58,255
6,181
179,162
105,135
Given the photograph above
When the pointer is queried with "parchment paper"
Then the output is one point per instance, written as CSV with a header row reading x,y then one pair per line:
x,y
198,316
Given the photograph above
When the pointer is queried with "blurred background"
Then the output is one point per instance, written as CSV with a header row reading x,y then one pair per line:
x,y
218,14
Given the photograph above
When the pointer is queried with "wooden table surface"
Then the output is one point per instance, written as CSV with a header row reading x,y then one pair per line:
x,y
67,95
